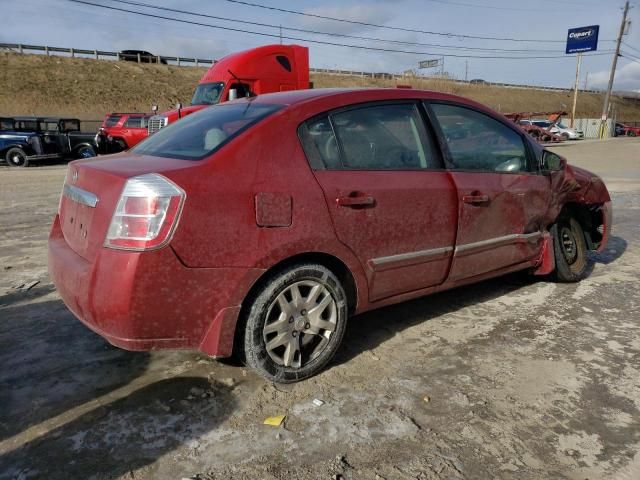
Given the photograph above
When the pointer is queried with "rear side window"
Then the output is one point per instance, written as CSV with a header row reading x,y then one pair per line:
x,y
200,134
284,61
380,137
478,142
112,120
133,122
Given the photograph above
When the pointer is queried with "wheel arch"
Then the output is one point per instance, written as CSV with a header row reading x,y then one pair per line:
x,y
591,218
333,263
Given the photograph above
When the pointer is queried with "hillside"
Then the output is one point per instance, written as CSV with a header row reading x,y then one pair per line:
x,y
87,88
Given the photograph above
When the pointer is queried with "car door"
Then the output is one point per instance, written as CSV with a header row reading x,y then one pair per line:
x,y
390,200
502,198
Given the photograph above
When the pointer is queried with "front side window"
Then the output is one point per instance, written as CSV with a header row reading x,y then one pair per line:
x,y
478,142
207,93
201,133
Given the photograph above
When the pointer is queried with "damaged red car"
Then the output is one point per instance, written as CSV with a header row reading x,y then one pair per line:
x,y
259,226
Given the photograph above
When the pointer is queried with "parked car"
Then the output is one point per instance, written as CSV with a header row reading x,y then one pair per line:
x,y
121,131
258,226
143,55
27,139
626,130
559,129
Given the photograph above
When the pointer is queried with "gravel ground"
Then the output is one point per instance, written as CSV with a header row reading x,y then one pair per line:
x,y
513,378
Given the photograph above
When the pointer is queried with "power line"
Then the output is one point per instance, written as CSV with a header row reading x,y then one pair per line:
x,y
316,32
320,42
491,7
629,46
356,22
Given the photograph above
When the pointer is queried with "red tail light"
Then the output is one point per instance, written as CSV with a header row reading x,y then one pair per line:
x,y
146,215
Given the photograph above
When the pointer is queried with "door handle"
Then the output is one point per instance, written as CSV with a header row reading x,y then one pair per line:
x,y
356,200
475,199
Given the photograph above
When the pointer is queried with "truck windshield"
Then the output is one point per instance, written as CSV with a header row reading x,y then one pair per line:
x,y
207,94
200,134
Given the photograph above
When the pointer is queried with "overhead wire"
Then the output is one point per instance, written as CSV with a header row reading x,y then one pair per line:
x,y
388,27
343,35
321,42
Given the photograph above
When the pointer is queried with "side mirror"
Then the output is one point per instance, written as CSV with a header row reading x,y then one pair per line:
x,y
178,106
233,94
154,108
552,162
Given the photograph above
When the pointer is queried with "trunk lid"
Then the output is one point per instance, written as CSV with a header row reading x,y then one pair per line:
x,y
91,191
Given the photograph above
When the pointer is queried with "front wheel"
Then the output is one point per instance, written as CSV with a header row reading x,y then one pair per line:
x,y
570,250
16,157
295,323
85,151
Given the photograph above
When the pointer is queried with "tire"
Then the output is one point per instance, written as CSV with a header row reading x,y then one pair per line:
x,y
16,157
275,323
570,251
565,135
85,151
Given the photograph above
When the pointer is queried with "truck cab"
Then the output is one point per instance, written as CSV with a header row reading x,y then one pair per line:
x,y
266,69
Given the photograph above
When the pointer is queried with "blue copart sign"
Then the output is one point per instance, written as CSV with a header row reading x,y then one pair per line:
x,y
583,39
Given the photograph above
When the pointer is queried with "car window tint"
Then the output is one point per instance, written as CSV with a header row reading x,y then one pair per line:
x,y
112,120
385,137
201,133
133,122
478,142
320,133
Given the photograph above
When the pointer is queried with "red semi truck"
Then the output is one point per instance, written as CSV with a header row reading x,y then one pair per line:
x,y
271,68
266,69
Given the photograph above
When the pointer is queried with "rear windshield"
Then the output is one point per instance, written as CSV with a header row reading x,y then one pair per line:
x,y
200,134
112,120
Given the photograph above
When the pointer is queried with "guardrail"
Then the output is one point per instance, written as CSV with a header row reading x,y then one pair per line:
x,y
197,62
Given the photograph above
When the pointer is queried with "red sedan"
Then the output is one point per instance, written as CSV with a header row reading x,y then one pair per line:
x,y
257,227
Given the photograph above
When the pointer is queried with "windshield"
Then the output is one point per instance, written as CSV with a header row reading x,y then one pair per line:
x,y
200,134
562,125
207,94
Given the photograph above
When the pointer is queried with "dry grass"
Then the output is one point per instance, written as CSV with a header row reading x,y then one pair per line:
x,y
88,89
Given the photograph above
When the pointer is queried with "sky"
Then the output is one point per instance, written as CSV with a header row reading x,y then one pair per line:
x,y
63,23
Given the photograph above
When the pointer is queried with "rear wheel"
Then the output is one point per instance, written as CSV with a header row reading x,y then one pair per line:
x,y
16,157
295,323
570,250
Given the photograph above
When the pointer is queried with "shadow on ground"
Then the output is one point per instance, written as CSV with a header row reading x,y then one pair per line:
x,y
367,331
124,435
51,363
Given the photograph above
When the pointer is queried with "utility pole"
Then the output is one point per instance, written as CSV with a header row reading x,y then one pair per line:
x,y
607,97
466,70
280,34
575,90
586,81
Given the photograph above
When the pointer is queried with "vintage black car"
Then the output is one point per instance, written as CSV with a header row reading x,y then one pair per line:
x,y
27,139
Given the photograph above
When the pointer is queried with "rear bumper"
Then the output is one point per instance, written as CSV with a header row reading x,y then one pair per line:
x,y
150,300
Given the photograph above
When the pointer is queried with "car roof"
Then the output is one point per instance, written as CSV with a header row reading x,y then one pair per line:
x,y
349,96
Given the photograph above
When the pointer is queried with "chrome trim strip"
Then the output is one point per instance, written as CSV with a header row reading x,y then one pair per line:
x,y
407,259
80,196
470,248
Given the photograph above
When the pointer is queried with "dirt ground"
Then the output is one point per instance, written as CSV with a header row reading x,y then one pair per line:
x,y
514,378
88,89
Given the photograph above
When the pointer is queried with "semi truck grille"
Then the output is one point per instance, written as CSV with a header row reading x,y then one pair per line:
x,y
156,123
